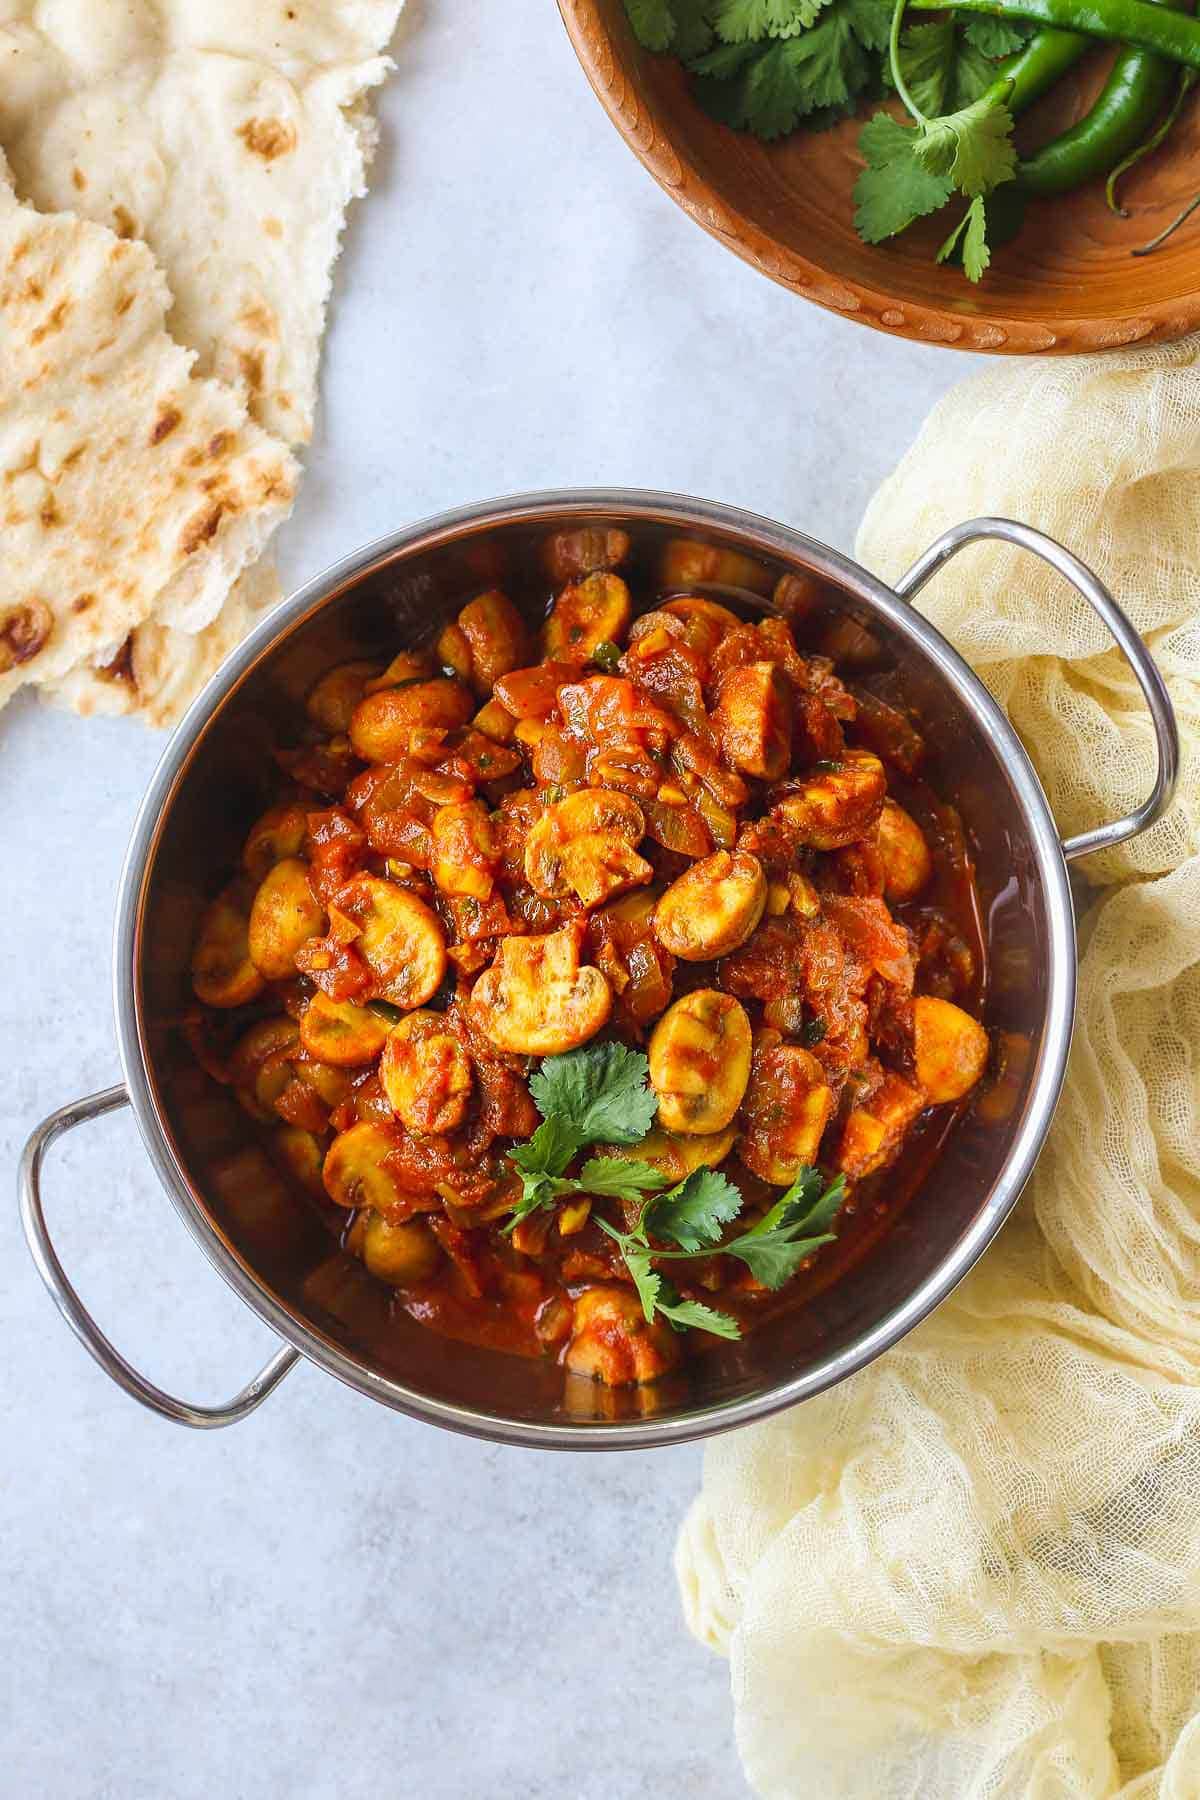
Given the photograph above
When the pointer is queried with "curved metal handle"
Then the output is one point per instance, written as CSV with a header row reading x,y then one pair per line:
x,y
33,1218
1162,712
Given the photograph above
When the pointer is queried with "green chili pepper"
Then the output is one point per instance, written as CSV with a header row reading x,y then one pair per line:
x,y
1043,61
1138,87
1140,23
1127,106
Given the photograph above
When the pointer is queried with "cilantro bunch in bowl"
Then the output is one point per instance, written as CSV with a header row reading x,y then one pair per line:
x,y
963,74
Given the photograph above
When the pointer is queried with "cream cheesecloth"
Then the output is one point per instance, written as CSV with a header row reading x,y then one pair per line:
x,y
974,1568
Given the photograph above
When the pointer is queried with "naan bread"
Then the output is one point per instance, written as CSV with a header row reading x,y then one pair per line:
x,y
128,488
230,137
163,670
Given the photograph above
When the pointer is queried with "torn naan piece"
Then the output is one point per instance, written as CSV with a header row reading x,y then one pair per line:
x,y
230,137
129,489
159,671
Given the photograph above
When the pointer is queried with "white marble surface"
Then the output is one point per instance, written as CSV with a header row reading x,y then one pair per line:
x,y
330,1600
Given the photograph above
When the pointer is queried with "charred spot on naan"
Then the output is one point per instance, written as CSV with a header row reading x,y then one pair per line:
x,y
24,633
268,138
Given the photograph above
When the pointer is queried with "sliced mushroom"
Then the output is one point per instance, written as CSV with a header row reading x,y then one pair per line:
x,y
278,835
332,700
713,907
384,722
537,999
222,971
678,1155
585,844
907,864
398,937
426,1074
338,1032
487,640
590,612
700,1062
875,1131
301,1152
464,849
355,1173
786,1109
260,1067
283,917
837,806
403,1255
951,1049
753,719
612,1342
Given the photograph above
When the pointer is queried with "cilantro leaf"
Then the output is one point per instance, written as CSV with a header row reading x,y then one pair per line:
x,y
894,188
719,87
723,61
972,231
942,69
685,1313
646,1279
619,1178
796,1204
653,23
926,62
748,21
973,147
600,1090
870,21
775,94
693,32
692,1214
970,78
794,1227
774,1257
549,1150
997,37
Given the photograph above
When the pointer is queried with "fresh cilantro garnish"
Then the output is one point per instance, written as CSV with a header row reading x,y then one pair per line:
x,y
914,170
795,1226
694,1314
747,21
972,148
653,22
941,67
600,1090
595,1095
618,1178
894,188
767,66
776,83
692,1215
549,1150
599,1095
997,37
969,238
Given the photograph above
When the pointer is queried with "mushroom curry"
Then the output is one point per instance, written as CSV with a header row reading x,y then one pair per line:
x,y
592,972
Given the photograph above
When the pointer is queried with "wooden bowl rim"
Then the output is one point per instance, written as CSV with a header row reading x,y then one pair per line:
x,y
1162,321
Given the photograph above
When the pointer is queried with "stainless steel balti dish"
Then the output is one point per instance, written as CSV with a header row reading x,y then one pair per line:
x,y
273,1251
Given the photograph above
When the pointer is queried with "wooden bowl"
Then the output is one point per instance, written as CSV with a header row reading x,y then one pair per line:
x,y
1067,284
